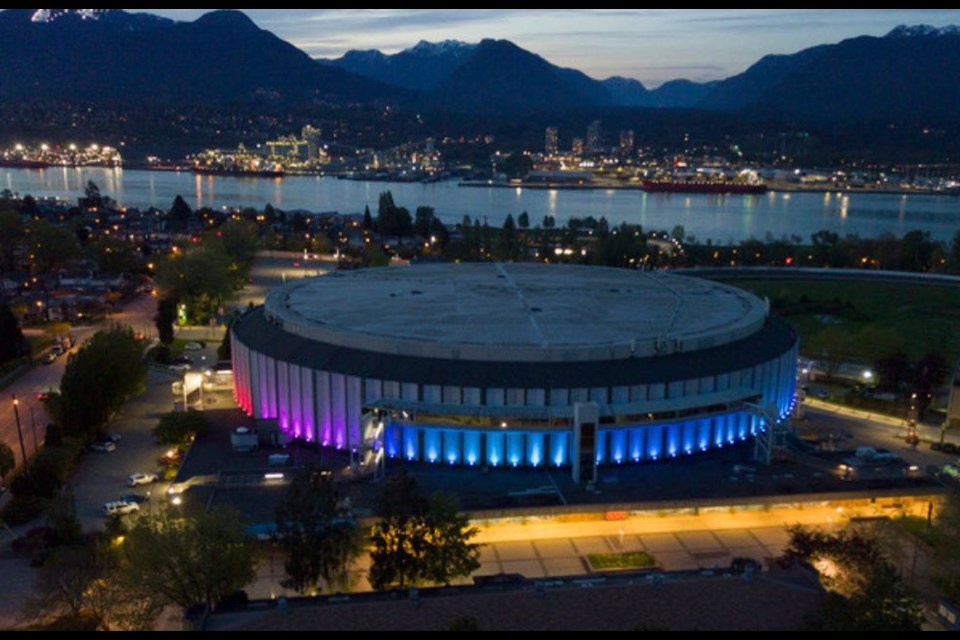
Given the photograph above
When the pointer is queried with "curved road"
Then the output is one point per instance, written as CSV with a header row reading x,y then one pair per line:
x,y
137,314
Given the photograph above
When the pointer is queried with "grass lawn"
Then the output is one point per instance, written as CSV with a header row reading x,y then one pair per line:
x,y
628,560
876,317
39,343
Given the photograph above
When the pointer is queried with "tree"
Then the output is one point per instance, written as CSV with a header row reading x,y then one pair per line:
x,y
177,428
13,344
114,256
28,206
953,261
865,591
367,219
92,195
893,371
884,604
62,518
65,579
186,560
199,279
12,233
450,554
179,214
523,220
166,316
99,378
8,460
832,345
391,219
423,221
418,540
319,534
51,247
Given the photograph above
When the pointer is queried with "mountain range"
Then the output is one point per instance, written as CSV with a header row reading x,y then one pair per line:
x,y
224,58
114,56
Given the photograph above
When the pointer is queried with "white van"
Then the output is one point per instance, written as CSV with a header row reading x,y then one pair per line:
x,y
120,508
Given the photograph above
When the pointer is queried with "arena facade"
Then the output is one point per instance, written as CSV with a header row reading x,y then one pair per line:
x,y
518,365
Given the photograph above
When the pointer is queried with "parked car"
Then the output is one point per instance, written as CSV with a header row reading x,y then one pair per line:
x,y
120,508
193,346
138,479
179,368
103,447
109,436
182,360
50,359
135,498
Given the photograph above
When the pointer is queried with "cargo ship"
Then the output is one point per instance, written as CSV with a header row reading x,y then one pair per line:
x,y
22,163
240,172
672,186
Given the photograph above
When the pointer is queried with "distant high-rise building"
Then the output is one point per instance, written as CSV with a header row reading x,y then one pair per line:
x,y
626,142
593,137
312,136
577,146
551,142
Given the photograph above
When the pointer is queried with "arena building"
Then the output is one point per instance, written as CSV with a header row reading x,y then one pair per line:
x,y
514,364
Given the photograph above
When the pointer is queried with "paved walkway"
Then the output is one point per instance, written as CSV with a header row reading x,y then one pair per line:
x,y
561,557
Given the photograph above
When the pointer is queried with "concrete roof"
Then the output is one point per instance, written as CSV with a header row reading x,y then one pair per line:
x,y
516,312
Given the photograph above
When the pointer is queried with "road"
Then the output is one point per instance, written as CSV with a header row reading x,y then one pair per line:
x,y
874,430
137,314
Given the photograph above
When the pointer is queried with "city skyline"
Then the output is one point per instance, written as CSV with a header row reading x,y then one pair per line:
x,y
653,46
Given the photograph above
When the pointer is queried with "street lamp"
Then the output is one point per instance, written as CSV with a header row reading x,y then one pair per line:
x,y
16,413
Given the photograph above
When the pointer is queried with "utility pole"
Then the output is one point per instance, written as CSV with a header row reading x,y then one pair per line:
x,y
16,413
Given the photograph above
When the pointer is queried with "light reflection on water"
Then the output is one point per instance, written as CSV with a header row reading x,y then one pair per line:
x,y
718,217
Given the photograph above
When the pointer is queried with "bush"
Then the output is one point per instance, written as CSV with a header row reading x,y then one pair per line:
x,y
38,543
54,437
39,483
23,509
48,472
179,428
161,354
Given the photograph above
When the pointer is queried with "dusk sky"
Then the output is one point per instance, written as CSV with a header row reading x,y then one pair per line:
x,y
652,45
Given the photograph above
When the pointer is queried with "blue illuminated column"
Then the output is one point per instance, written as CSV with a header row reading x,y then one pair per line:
x,y
618,445
451,447
673,440
636,444
558,449
655,445
432,446
393,440
471,447
495,448
535,449
411,443
703,434
514,448
689,436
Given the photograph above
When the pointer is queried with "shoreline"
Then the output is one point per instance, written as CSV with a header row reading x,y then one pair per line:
x,y
771,188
